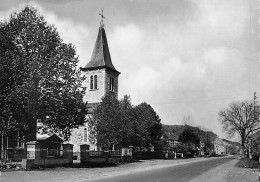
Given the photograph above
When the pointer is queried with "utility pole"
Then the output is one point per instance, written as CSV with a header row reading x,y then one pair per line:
x,y
251,139
2,139
254,102
2,144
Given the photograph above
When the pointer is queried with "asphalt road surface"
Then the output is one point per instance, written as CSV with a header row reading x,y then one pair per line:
x,y
215,169
179,173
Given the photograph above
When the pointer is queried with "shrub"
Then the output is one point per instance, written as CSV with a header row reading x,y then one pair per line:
x,y
255,156
247,163
149,155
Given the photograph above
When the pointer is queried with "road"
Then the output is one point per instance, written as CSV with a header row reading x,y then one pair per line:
x,y
192,170
179,173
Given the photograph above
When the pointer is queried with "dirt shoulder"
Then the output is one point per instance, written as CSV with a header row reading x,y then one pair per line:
x,y
230,172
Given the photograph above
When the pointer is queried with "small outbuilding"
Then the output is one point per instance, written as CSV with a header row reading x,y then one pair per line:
x,y
50,145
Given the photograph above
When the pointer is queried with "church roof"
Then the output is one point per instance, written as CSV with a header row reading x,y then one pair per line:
x,y
53,138
101,55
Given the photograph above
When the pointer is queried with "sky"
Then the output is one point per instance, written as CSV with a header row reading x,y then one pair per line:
x,y
187,58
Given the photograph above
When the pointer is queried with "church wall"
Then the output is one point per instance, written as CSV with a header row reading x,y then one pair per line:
x,y
79,137
94,96
107,79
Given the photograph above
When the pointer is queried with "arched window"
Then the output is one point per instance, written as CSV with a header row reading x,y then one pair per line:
x,y
85,135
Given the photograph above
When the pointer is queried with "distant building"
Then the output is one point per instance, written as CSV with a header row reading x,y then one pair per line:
x,y
101,79
224,146
220,146
172,138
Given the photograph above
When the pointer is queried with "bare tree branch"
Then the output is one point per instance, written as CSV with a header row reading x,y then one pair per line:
x,y
241,118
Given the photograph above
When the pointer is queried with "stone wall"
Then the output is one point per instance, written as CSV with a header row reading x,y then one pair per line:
x,y
103,79
34,159
48,162
77,139
86,159
107,80
94,96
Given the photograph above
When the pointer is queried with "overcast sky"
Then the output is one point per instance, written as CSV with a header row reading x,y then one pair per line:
x,y
185,58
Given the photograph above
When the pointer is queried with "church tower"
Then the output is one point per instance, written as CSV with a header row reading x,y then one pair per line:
x,y
101,75
101,79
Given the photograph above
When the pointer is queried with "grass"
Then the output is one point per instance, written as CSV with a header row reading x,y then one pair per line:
x,y
247,163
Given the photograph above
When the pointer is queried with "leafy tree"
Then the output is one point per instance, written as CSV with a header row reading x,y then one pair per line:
x,y
107,126
208,138
163,144
189,136
232,149
111,123
127,122
119,123
240,118
146,126
179,148
40,79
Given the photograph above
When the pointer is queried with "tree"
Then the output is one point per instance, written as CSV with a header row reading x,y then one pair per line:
x,y
127,122
120,124
189,136
147,126
208,138
232,149
179,148
112,123
40,79
240,118
107,126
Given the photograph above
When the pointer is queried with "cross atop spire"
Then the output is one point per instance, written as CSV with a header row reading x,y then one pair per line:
x,y
102,18
101,55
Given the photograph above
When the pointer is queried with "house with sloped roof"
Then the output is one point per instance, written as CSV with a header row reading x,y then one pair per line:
x,y
220,146
172,138
50,145
171,134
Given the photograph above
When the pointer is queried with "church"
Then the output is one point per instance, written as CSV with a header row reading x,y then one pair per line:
x,y
101,79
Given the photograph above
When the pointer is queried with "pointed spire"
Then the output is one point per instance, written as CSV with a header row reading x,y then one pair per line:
x,y
101,55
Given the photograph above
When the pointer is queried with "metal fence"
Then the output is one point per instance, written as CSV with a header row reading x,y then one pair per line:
x,y
14,154
115,153
104,153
